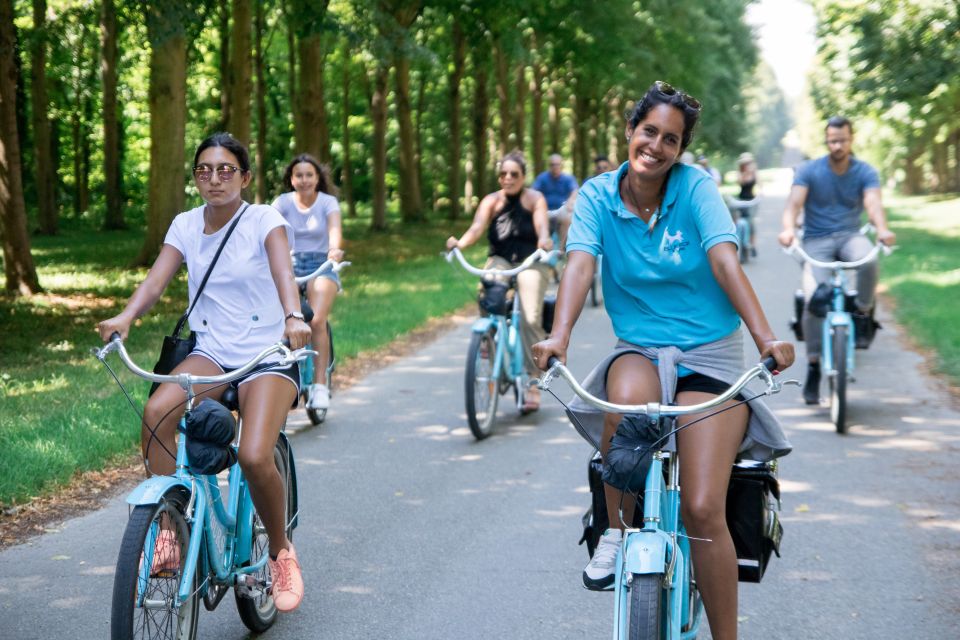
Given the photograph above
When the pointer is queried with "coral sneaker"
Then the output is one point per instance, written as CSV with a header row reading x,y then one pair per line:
x,y
287,589
166,554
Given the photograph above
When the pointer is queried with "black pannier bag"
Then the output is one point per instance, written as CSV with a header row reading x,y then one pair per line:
x,y
595,520
753,500
546,318
493,298
210,431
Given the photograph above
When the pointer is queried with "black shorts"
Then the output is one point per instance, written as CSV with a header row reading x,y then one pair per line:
x,y
705,384
291,372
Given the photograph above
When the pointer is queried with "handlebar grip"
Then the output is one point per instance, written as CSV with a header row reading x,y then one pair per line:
x,y
285,342
552,360
114,336
770,363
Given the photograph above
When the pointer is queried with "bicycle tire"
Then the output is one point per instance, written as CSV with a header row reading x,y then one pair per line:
x,y
643,620
258,611
482,392
127,619
838,382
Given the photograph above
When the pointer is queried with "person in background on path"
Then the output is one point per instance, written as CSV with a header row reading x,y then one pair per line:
x,y
747,180
601,164
704,164
515,219
832,191
310,206
677,298
557,187
249,303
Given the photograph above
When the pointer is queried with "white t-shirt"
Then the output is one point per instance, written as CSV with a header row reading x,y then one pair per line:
x,y
239,313
309,225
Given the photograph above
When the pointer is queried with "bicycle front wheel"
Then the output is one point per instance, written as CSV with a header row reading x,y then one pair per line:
x,y
838,382
480,386
644,616
150,568
254,604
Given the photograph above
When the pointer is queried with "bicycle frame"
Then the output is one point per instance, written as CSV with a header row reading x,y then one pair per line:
x,y
508,357
838,316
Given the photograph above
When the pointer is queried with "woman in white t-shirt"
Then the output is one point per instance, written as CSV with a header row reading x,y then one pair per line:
x,y
310,206
249,302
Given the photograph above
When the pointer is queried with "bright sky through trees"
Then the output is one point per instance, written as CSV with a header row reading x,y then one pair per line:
x,y
786,31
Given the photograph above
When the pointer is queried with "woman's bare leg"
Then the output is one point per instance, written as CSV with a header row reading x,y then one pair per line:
x,y
321,295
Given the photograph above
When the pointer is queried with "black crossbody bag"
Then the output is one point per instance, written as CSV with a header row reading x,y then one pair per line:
x,y
175,349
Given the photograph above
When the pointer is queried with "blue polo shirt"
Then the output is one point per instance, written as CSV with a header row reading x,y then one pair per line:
x,y
657,285
834,202
555,190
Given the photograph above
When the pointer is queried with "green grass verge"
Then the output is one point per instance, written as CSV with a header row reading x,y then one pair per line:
x,y
60,411
923,274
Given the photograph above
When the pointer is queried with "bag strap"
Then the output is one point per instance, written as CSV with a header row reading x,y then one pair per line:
x,y
206,276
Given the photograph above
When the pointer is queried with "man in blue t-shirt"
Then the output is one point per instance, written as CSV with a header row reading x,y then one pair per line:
x,y
832,191
558,188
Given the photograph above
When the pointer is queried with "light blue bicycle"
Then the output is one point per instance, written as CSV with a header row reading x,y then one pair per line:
x,y
655,594
743,211
838,353
183,544
495,356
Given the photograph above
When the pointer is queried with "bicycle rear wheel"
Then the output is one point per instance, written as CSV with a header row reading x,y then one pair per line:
x,y
254,604
480,387
643,619
145,600
838,382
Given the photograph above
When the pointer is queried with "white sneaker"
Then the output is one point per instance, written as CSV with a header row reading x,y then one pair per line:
x,y
318,397
602,569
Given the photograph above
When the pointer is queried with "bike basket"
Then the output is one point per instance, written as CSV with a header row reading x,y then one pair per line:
x,y
493,298
209,431
753,499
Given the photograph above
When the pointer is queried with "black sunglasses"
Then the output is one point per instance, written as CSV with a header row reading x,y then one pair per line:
x,y
668,90
512,174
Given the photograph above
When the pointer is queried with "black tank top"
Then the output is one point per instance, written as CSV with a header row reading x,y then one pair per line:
x,y
746,190
511,233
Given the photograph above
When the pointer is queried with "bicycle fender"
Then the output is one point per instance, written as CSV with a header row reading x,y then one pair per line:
x,y
293,480
837,319
482,325
151,490
647,552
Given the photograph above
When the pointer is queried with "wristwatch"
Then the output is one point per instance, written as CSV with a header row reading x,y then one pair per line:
x,y
293,314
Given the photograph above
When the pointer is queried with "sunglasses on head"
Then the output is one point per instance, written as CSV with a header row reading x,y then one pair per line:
x,y
512,174
668,90
203,172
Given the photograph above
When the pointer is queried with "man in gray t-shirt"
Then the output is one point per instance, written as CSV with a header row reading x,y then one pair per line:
x,y
832,191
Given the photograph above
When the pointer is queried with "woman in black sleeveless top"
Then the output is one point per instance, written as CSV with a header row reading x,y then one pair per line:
x,y
515,219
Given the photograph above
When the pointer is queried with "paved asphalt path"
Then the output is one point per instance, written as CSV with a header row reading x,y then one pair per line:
x,y
410,529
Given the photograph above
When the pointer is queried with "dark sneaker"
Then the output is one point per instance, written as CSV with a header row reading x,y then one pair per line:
x,y
811,389
865,328
753,252
602,569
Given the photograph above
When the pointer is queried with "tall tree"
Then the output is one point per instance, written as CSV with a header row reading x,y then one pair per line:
x,y
378,112
112,185
457,70
167,22
19,270
239,87
310,111
346,175
396,18
46,179
261,102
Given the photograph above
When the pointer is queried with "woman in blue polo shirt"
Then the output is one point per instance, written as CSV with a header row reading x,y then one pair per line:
x,y
676,296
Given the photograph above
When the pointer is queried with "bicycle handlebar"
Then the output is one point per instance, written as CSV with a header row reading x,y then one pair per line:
x,y
796,250
330,264
186,380
538,255
764,370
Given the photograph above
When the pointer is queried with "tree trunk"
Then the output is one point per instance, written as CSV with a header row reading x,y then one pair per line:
x,y
346,176
581,131
503,98
225,68
481,119
418,140
239,89
76,126
618,131
291,57
453,104
168,114
941,161
955,174
19,270
46,179
536,106
519,108
112,187
310,114
411,202
913,171
261,102
554,119
378,112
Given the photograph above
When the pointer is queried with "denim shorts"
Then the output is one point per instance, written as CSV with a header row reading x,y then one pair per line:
x,y
306,262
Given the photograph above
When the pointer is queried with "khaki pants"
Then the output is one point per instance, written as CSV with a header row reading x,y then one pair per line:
x,y
532,287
